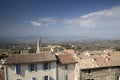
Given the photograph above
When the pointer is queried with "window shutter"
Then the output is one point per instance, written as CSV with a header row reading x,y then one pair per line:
x,y
66,77
31,79
34,78
15,70
19,69
48,77
43,66
35,67
29,67
49,66
43,78
66,66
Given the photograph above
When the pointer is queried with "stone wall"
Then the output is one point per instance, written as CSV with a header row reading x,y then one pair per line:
x,y
109,73
62,72
26,75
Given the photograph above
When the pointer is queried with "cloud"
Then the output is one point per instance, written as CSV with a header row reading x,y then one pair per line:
x,y
108,18
34,23
49,20
104,18
44,22
104,23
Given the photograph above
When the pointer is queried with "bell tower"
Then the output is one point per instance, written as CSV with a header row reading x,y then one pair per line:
x,y
38,45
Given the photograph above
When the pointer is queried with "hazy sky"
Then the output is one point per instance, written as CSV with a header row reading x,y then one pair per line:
x,y
92,18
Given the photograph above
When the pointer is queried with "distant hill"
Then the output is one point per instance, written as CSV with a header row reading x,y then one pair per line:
x,y
87,42
56,39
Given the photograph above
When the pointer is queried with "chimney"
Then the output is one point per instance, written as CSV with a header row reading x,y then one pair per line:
x,y
93,59
107,59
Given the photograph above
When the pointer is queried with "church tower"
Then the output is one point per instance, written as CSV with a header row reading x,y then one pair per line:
x,y
38,45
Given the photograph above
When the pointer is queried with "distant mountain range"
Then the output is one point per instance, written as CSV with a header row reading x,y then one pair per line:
x,y
32,39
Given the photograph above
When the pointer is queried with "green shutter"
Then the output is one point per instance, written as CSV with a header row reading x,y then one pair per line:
x,y
66,66
66,77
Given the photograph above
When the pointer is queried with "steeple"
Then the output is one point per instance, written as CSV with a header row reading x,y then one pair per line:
x,y
38,45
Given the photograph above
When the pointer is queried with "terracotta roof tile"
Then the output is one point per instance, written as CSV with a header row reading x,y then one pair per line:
x,y
87,63
30,58
107,62
66,59
98,61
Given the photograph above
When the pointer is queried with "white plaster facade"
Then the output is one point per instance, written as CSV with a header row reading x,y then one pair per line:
x,y
26,75
62,72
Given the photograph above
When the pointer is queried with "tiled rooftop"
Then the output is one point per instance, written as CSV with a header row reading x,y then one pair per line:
x,y
97,61
66,59
30,58
85,61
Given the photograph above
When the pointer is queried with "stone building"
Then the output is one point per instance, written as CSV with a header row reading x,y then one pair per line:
x,y
42,66
102,66
66,66
63,65
49,48
31,67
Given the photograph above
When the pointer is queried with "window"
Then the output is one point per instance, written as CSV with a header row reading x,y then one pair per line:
x,y
118,77
46,78
46,66
17,69
109,69
66,66
32,67
66,77
90,72
33,78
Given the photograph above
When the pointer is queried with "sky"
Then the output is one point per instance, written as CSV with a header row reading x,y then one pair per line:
x,y
90,18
